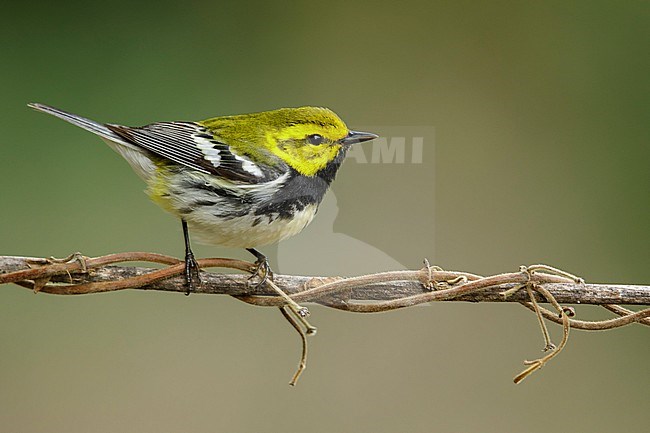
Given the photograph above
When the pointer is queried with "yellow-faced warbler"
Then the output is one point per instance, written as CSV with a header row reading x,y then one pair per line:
x,y
238,181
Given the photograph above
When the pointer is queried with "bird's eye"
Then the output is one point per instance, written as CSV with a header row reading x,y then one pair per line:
x,y
315,139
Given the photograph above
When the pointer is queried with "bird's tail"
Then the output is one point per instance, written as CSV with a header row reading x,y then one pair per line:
x,y
82,122
138,158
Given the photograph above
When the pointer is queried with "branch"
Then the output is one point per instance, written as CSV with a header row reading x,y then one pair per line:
x,y
383,291
399,286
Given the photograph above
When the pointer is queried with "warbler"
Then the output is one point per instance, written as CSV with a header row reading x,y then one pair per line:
x,y
243,181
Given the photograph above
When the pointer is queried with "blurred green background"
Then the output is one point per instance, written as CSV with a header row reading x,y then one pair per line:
x,y
540,154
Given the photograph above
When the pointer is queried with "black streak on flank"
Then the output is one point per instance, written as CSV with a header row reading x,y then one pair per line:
x,y
221,192
205,203
231,214
232,205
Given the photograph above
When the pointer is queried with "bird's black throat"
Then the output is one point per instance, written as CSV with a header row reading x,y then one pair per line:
x,y
300,191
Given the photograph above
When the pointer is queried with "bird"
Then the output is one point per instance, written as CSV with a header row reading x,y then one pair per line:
x,y
243,181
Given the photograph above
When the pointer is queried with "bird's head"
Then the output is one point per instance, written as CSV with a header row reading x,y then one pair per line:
x,y
307,139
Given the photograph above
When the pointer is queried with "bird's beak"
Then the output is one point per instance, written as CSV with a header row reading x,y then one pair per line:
x,y
358,137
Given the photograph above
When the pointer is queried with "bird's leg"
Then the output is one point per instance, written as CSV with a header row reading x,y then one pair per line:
x,y
191,266
262,266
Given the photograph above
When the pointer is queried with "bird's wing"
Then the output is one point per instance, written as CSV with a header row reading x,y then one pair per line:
x,y
192,145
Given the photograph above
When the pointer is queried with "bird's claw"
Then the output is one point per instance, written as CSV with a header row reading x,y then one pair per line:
x,y
192,274
263,269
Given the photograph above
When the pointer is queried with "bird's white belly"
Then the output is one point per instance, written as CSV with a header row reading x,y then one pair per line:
x,y
247,231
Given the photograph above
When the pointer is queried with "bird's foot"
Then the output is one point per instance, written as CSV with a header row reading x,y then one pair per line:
x,y
192,274
262,269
